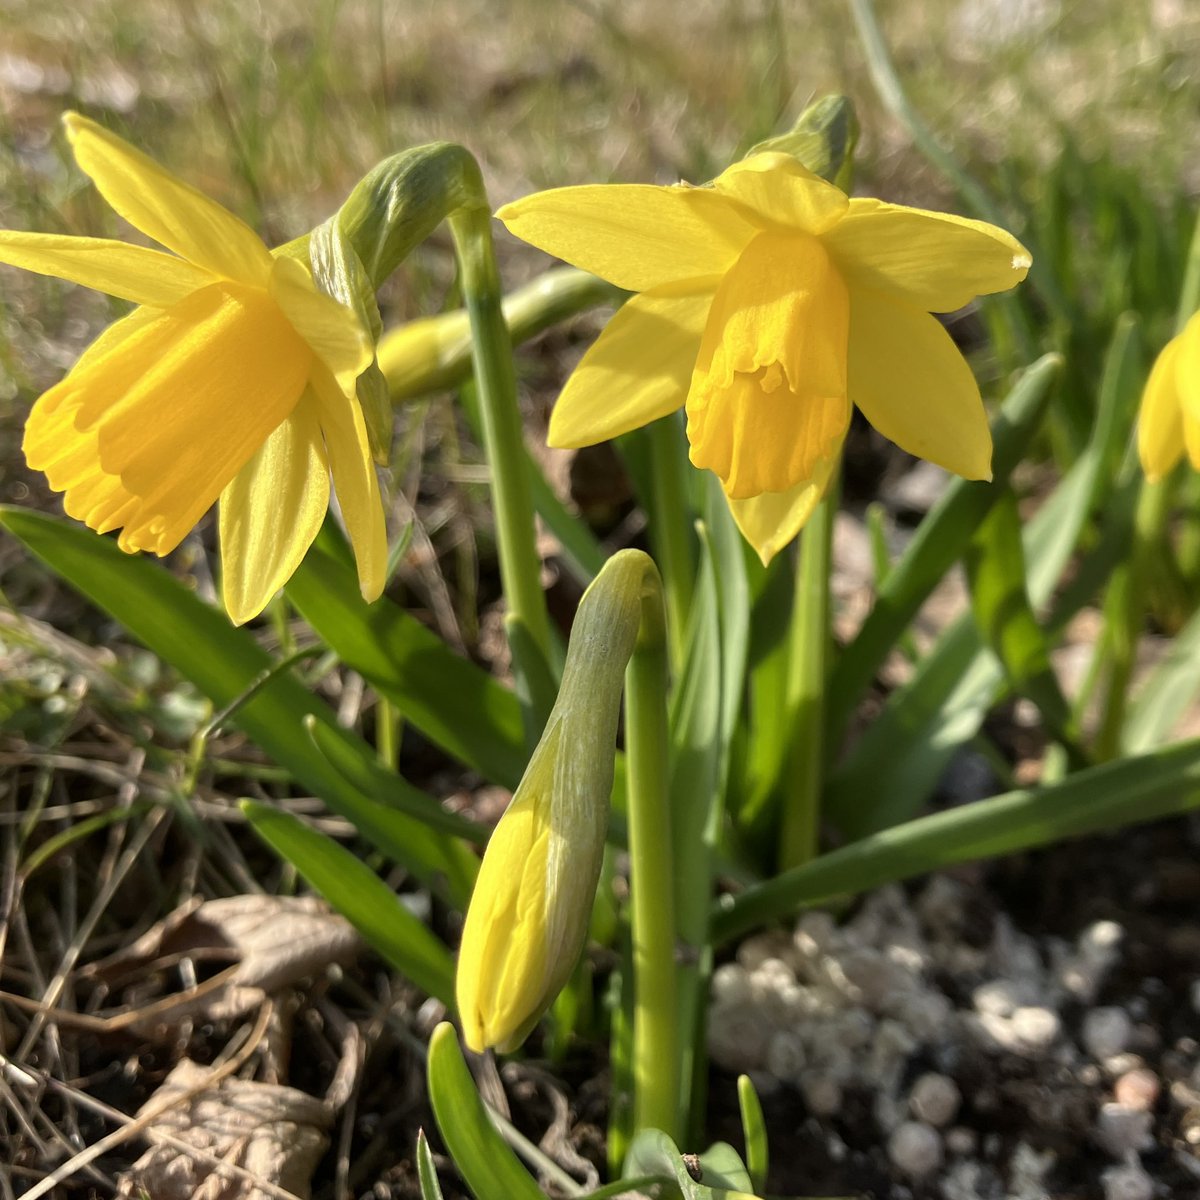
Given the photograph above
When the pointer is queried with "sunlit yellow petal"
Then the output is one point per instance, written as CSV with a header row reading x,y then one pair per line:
x,y
165,208
638,370
330,328
1160,422
1187,368
771,520
173,447
783,193
915,387
271,511
936,261
768,396
637,236
354,480
130,272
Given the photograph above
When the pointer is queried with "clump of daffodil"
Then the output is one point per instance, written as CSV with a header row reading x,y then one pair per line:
x,y
769,303
233,379
1169,422
528,917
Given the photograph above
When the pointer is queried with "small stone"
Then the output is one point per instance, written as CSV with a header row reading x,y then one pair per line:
x,y
997,998
1106,1032
1137,1089
935,1099
961,1141
1121,1064
1127,1182
915,1149
756,950
785,1055
822,1093
731,984
1121,1130
1101,939
1035,1028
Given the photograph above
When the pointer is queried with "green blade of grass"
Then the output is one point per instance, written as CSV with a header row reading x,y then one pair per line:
x,y
940,540
226,663
1166,694
492,1171
430,685
1163,783
426,1171
361,897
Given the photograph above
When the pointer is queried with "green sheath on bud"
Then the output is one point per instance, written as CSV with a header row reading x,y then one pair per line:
x,y
529,914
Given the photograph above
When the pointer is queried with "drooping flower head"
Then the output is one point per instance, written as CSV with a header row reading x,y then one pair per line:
x,y
233,379
1169,422
769,303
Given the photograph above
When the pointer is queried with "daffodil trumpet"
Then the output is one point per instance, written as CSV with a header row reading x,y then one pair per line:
x,y
768,303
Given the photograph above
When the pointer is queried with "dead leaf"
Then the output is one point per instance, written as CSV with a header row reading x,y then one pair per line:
x,y
275,1134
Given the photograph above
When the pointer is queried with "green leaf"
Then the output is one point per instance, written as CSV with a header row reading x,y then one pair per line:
x,y
910,743
361,897
754,1130
226,663
1128,792
1003,614
1166,694
716,1172
940,540
491,1169
426,1171
434,688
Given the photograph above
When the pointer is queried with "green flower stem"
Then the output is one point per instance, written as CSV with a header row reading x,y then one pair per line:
x,y
512,496
1125,608
808,670
433,354
655,1036
671,529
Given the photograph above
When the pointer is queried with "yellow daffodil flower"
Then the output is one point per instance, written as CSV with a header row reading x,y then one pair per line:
x,y
1169,422
233,379
769,302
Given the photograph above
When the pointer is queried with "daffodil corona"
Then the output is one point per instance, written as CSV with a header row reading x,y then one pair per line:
x,y
233,379
769,303
1169,422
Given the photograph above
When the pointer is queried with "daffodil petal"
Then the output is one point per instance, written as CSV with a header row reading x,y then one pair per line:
x,y
130,272
638,370
768,397
771,520
354,480
1187,368
328,326
271,511
781,192
914,386
172,212
635,235
1161,421
175,449
935,261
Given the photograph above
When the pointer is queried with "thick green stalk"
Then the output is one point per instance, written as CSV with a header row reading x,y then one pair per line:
x,y
671,529
808,671
655,1036
516,528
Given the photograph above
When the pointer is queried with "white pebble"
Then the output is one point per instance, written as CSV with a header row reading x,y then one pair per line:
x,y
935,1098
1106,1032
1035,1028
1100,940
961,1140
1121,1130
785,1055
997,998
1128,1182
762,946
915,1149
730,984
822,1093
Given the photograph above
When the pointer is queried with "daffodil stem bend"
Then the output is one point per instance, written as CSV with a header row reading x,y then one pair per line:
x,y
655,1034
394,208
808,662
